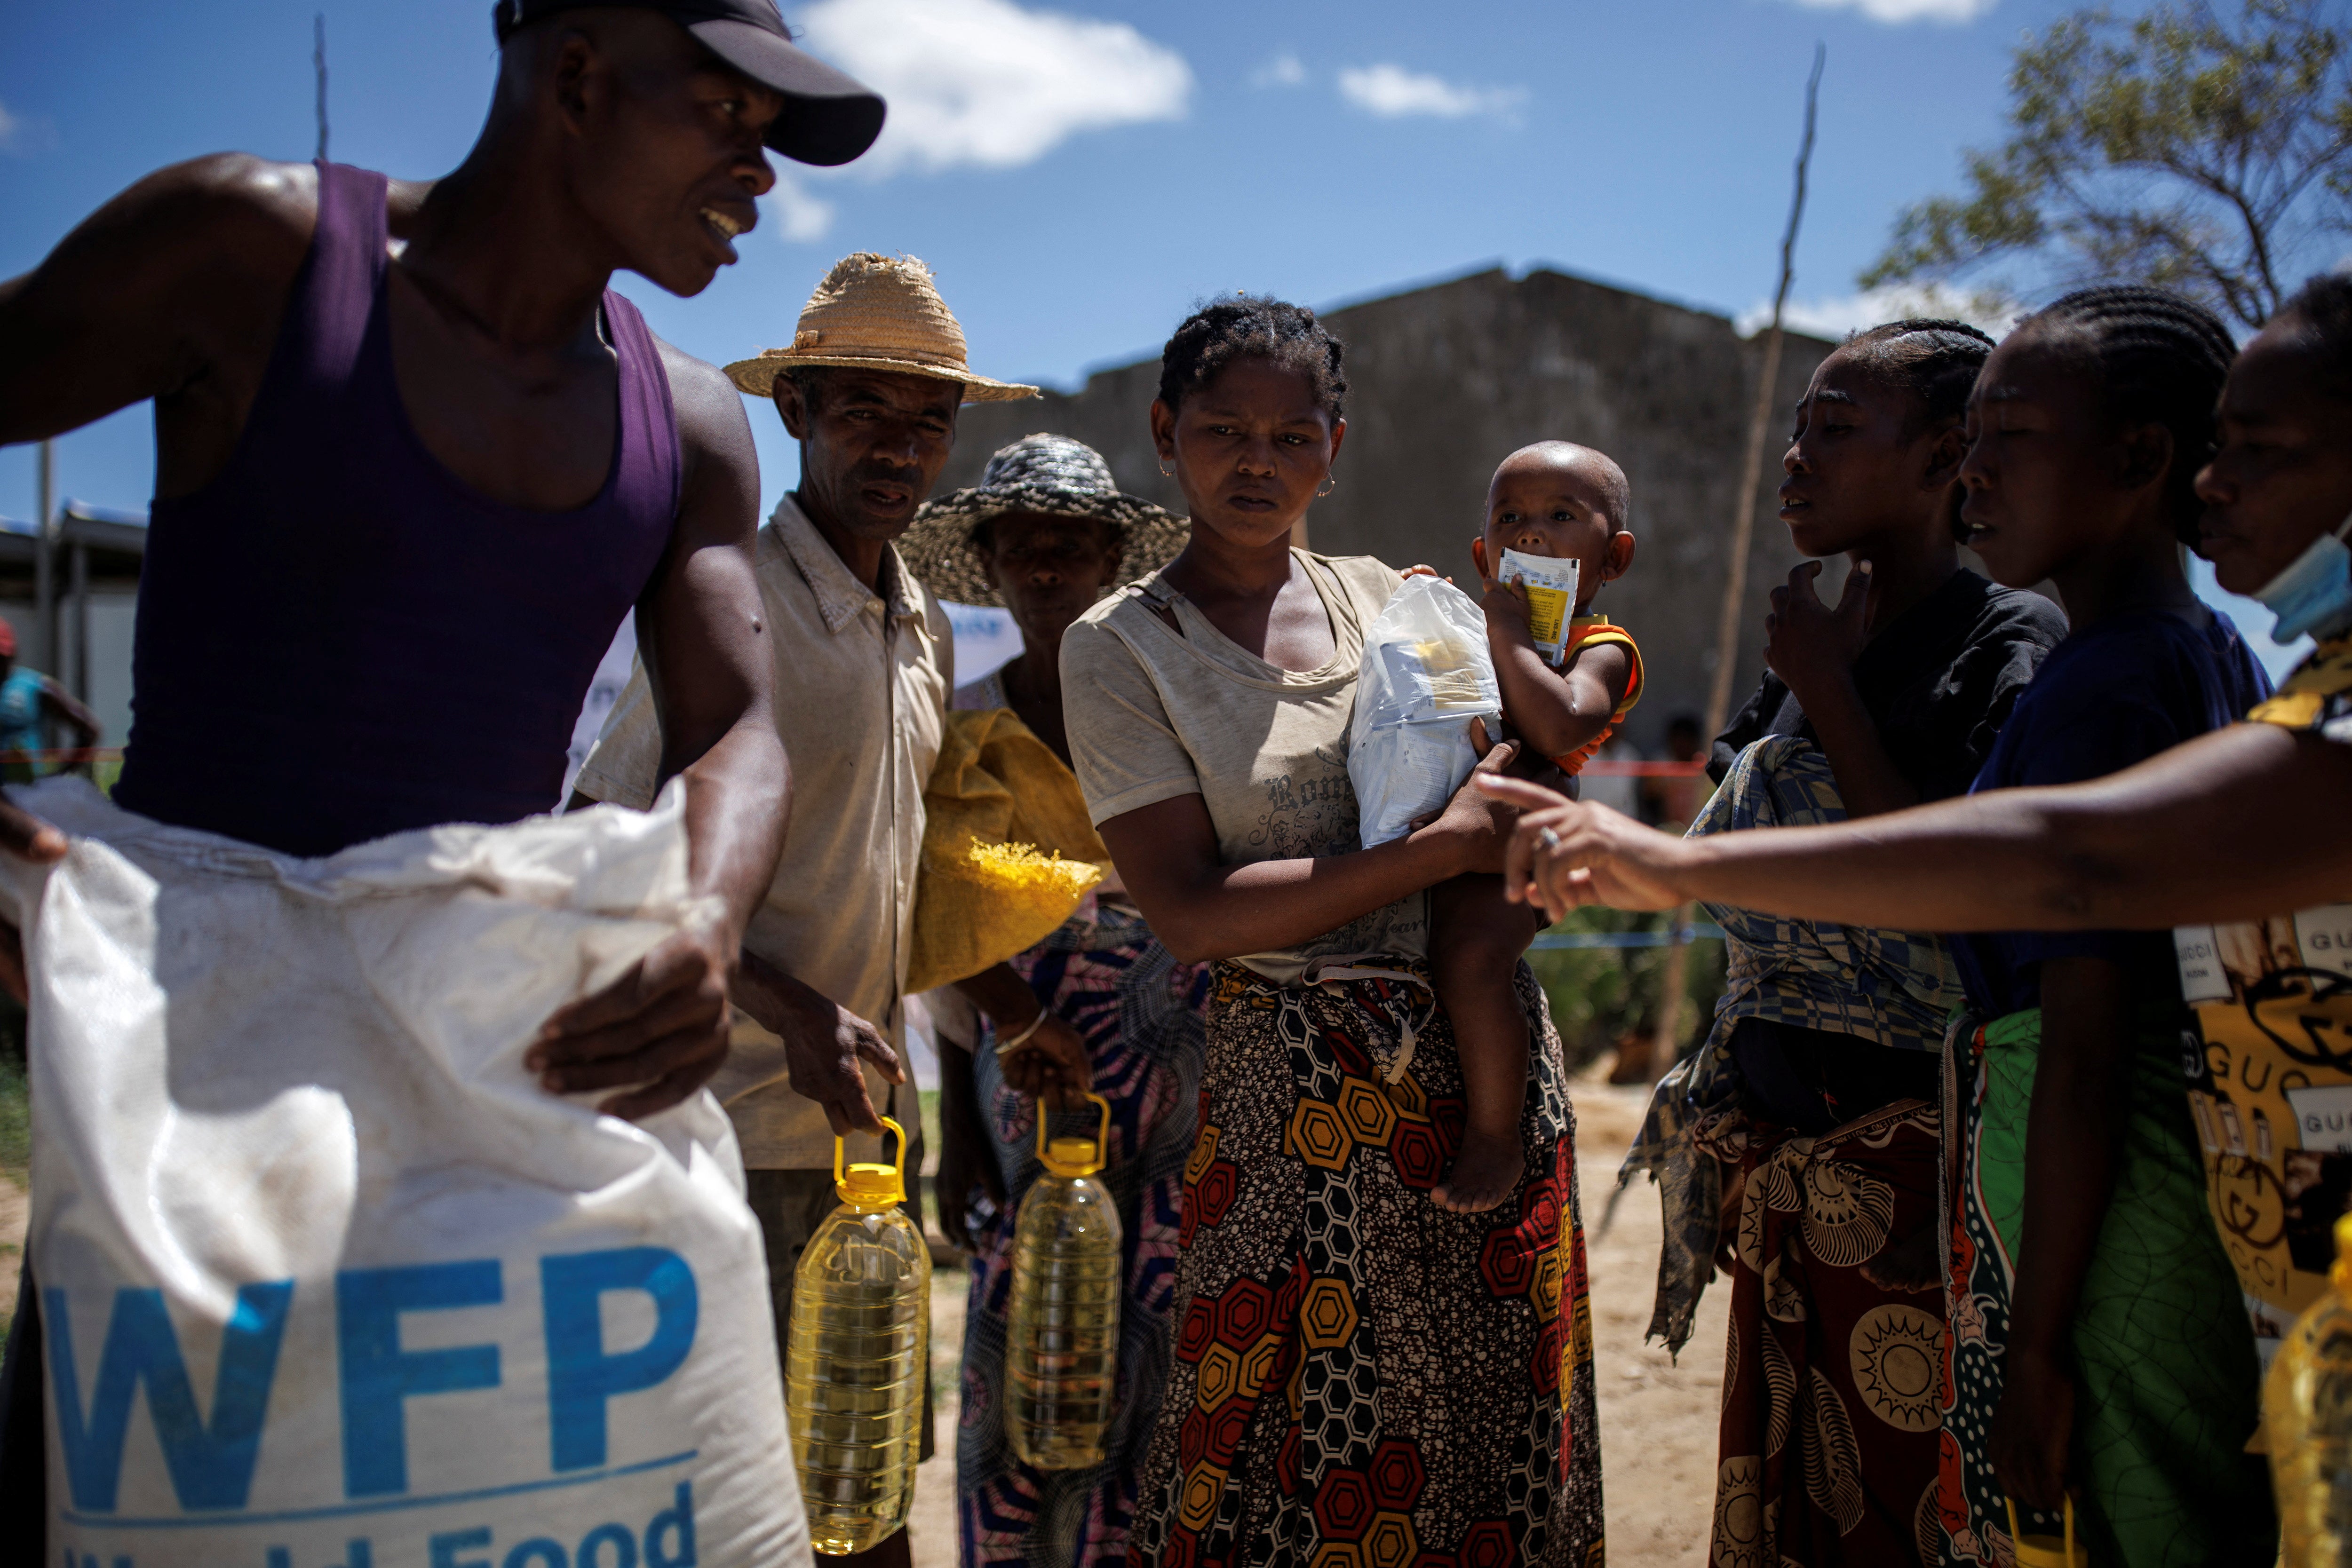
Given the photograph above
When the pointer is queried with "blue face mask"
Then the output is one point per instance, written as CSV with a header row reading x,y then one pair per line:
x,y
2314,593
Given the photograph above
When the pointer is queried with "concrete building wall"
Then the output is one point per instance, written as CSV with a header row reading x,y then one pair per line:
x,y
1446,380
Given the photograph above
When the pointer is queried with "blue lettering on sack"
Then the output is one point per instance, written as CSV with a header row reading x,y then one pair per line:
x,y
668,1542
379,1378
211,1465
449,1542
356,1554
580,1375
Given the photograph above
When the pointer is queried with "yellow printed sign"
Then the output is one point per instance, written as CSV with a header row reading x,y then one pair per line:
x,y
2271,1090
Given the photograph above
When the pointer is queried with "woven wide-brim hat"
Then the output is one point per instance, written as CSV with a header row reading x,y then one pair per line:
x,y
877,313
1048,474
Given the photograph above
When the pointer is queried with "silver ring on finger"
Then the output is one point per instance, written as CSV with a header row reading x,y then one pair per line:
x,y
1549,840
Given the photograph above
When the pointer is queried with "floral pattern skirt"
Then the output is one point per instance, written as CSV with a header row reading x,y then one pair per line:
x,y
1361,1379
1830,1381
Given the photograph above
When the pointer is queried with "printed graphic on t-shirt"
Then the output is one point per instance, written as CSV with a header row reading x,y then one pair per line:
x,y
1308,814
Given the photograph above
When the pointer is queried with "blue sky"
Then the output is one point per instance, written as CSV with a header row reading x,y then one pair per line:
x,y
1078,172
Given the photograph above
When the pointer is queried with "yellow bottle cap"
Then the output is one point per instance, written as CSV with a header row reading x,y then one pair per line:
x,y
872,1187
1074,1156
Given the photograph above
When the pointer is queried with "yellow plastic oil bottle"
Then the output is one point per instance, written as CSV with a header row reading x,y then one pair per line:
x,y
2047,1551
858,1350
2308,1419
1061,1353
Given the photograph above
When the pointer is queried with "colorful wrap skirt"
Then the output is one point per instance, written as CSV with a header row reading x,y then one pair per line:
x,y
2168,1389
1888,989
1361,1379
1139,1012
1830,1381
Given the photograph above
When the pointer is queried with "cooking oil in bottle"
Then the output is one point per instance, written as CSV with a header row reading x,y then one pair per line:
x,y
2307,1419
858,1350
1061,1348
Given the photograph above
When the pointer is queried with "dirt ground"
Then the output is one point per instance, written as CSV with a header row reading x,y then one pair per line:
x,y
1657,1420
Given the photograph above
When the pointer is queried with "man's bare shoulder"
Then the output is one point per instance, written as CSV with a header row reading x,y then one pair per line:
x,y
714,436
711,418
228,207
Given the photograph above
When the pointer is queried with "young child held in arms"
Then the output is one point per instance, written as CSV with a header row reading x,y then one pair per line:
x,y
1567,502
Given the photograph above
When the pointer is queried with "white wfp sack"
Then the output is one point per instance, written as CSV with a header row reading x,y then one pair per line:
x,y
327,1280
1427,674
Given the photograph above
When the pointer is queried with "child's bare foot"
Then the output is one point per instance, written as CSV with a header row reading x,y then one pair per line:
x,y
1484,1173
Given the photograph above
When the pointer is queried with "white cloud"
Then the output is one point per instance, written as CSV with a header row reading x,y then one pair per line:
x,y
1834,318
798,216
986,82
23,135
1897,12
1284,70
1390,90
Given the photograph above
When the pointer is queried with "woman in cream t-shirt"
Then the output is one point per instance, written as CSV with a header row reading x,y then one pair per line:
x,y
1337,1332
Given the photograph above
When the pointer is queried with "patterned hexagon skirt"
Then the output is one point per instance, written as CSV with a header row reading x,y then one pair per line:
x,y
1361,1379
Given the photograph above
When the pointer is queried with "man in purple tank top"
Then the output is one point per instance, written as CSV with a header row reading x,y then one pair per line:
x,y
410,446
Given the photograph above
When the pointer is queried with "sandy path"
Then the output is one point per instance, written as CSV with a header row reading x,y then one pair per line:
x,y
1657,1420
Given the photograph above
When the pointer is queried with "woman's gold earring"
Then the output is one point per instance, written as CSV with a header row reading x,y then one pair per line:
x,y
1330,483
1166,471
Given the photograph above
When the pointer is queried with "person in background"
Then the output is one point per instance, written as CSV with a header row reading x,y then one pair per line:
x,y
1823,1070
1339,1339
1045,534
863,667
30,703
1673,801
1604,785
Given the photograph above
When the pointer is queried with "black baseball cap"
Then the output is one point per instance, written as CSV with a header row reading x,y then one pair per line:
x,y
829,117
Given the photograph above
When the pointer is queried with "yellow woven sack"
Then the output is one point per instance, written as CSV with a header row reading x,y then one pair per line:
x,y
1008,853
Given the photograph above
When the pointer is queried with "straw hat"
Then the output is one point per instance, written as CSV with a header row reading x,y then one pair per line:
x,y
1048,474
877,313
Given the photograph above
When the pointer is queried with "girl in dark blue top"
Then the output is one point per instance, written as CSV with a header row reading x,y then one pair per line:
x,y
2097,1348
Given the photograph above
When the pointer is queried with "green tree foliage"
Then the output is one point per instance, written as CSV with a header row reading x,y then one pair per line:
x,y
2178,148
1598,995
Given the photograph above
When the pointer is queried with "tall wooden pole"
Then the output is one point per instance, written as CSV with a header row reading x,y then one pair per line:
x,y
1759,424
319,63
1735,585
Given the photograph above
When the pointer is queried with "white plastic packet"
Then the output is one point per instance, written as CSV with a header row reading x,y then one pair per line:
x,y
327,1280
1550,583
1427,674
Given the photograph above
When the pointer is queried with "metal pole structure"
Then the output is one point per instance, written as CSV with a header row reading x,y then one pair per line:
x,y
1735,586
78,559
319,60
45,581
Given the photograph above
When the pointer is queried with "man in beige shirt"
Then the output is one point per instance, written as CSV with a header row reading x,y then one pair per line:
x,y
863,669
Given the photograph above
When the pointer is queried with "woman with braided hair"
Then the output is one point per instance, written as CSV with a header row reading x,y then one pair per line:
x,y
2095,1318
1360,1376
1802,1137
